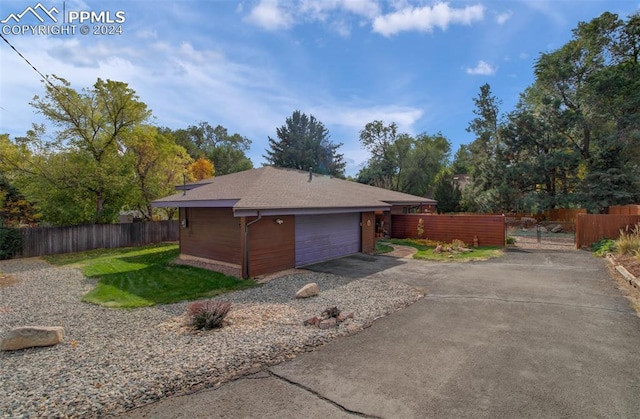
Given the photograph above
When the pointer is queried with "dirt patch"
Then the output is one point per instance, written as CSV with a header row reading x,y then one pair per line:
x,y
7,280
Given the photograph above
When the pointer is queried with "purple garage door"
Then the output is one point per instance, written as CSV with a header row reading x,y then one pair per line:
x,y
323,237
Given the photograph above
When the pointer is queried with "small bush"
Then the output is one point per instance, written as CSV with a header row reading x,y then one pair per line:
x,y
629,241
603,247
207,314
10,242
511,240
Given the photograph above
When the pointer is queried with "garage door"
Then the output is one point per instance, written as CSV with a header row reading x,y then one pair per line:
x,y
323,237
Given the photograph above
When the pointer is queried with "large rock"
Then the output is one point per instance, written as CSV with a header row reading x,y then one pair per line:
x,y
308,290
557,229
30,336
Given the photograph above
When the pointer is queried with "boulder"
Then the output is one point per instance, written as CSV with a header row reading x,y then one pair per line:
x,y
308,290
314,321
342,317
31,336
328,323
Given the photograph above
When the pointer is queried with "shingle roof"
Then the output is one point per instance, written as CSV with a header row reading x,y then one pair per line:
x,y
277,188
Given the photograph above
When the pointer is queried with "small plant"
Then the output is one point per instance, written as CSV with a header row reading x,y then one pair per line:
x,y
207,314
420,228
629,241
511,240
603,247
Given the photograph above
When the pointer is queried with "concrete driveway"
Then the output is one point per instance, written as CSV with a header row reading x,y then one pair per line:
x,y
532,334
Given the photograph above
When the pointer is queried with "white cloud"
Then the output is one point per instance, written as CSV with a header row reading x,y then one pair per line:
x,y
270,15
483,69
426,18
502,18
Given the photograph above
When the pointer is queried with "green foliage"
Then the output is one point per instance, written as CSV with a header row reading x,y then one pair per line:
x,y
15,209
303,143
401,162
574,138
511,240
10,242
604,247
447,193
226,151
629,241
207,314
144,276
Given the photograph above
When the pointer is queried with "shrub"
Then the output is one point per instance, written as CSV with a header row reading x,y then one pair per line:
x,y
603,247
207,314
629,241
10,242
511,240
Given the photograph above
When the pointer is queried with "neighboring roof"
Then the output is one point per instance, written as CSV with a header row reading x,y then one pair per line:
x,y
270,188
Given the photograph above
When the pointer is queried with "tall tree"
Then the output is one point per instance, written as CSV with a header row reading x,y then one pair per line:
x,y
157,163
489,190
303,143
447,192
226,152
85,156
401,162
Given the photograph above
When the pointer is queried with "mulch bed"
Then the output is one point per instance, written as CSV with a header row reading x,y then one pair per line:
x,y
630,263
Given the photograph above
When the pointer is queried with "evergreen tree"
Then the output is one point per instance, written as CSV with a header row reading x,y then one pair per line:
x,y
303,143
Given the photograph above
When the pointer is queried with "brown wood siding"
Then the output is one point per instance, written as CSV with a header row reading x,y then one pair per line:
x,y
490,229
367,240
271,245
591,228
212,233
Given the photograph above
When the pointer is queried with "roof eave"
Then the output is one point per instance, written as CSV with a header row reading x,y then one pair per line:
x,y
183,203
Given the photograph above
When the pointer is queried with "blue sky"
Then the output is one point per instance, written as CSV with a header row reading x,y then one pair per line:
x,y
247,65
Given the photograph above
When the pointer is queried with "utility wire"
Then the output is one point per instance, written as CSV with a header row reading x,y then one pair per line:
x,y
45,78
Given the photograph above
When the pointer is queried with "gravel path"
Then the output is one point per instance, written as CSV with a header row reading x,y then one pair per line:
x,y
112,360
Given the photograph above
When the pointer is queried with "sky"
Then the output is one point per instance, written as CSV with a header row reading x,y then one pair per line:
x,y
248,65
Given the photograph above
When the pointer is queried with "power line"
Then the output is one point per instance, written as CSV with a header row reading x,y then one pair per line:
x,y
45,78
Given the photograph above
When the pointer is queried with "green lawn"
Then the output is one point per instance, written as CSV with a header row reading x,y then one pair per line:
x,y
382,248
426,252
143,276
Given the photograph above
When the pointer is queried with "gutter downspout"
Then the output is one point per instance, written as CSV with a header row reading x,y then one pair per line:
x,y
246,242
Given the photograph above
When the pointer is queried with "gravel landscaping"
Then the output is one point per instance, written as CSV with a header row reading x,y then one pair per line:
x,y
112,360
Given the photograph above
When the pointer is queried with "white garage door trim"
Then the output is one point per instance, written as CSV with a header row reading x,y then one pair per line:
x,y
324,237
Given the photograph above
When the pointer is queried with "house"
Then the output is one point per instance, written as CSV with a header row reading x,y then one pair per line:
x,y
270,219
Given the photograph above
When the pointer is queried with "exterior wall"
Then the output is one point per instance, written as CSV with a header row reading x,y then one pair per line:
x,y
490,229
212,233
368,231
271,245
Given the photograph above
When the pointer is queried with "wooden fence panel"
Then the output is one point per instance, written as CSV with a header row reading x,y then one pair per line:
x,y
631,209
489,229
563,214
591,228
39,241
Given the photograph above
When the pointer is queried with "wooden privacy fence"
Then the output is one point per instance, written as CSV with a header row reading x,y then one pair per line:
x,y
489,229
562,214
625,209
39,241
591,228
